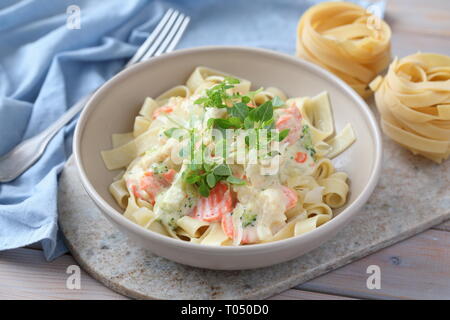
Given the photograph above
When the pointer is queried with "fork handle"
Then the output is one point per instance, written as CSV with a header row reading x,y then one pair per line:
x,y
26,153
66,117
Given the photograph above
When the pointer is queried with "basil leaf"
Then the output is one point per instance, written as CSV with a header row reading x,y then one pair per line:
x,y
232,122
210,122
269,124
239,110
248,123
211,180
222,170
245,99
191,179
236,180
262,113
221,123
235,122
283,134
203,190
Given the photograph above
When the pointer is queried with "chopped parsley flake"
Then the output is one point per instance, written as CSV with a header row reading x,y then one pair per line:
x,y
172,224
159,168
248,219
307,141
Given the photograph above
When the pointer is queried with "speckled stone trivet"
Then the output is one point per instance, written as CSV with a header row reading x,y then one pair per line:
x,y
413,194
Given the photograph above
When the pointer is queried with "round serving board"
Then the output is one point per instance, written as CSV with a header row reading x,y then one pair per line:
x,y
412,195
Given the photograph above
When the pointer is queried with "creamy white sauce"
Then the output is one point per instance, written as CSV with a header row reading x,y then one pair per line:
x,y
261,205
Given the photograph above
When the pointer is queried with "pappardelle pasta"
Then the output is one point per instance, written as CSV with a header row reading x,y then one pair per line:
x,y
214,163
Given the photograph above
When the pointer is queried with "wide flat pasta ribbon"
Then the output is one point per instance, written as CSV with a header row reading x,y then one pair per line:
x,y
317,191
342,38
414,102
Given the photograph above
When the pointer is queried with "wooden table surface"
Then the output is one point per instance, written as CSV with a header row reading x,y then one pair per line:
x,y
417,268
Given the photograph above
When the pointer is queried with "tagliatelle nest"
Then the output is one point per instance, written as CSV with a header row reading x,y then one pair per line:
x,y
347,40
414,103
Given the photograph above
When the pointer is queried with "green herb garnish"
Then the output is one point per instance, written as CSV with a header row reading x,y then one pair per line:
x,y
241,115
172,224
283,134
248,219
169,132
307,141
217,96
206,175
222,170
235,180
159,168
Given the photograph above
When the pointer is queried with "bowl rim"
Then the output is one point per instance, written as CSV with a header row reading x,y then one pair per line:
x,y
327,228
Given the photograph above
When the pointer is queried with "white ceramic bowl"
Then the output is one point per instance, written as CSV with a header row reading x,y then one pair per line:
x,y
113,107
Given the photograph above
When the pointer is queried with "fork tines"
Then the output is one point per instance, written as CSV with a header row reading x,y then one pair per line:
x,y
164,37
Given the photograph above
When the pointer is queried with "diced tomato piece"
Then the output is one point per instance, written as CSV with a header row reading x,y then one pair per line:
x,y
135,192
294,110
218,203
169,175
301,157
164,109
282,121
291,197
251,105
291,119
152,185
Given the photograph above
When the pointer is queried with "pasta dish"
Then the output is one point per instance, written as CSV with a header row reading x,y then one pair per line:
x,y
213,162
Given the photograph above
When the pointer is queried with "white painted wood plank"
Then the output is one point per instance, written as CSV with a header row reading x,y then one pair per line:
x,y
418,17
418,268
404,44
419,25
25,274
295,294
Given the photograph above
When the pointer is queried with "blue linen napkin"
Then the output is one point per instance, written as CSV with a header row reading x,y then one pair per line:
x,y
45,67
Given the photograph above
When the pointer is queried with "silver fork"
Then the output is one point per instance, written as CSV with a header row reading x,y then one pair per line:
x,y
163,39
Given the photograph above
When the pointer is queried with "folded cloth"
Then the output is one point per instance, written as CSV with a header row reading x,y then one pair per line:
x,y
47,63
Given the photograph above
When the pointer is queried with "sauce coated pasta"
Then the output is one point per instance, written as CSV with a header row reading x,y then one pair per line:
x,y
214,163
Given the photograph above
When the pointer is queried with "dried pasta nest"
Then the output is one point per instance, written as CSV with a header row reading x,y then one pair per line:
x,y
414,102
347,40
